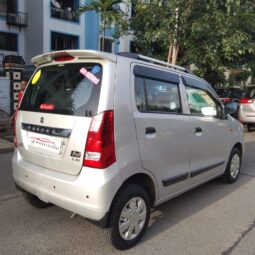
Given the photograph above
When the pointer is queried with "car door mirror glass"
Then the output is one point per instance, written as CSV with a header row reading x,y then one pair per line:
x,y
230,108
209,111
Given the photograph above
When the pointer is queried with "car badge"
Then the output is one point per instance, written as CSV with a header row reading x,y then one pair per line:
x,y
42,120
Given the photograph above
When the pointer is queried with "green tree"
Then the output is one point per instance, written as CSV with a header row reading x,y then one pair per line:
x,y
109,11
212,34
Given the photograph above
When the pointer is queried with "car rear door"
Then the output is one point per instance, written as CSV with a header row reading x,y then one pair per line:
x,y
162,129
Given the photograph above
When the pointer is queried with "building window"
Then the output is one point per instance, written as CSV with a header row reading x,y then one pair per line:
x,y
8,41
63,41
108,44
65,9
8,6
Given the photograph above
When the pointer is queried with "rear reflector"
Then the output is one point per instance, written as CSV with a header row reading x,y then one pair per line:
x,y
246,101
100,148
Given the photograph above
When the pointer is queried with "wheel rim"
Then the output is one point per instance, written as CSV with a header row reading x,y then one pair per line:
x,y
132,218
235,166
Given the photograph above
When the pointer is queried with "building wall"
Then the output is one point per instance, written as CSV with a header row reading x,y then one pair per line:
x,y
34,30
35,38
15,30
91,31
52,24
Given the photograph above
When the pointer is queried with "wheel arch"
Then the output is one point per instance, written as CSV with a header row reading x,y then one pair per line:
x,y
140,179
239,146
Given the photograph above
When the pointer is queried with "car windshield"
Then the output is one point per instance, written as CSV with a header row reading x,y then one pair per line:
x,y
70,89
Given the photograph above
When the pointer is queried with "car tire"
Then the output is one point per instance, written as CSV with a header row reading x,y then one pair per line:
x,y
233,167
130,216
35,201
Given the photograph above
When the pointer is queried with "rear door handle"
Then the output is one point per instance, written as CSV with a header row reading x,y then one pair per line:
x,y
150,130
198,130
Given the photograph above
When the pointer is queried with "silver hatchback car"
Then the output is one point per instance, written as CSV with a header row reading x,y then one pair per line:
x,y
110,136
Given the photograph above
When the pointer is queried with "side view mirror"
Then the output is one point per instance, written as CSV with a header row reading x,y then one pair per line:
x,y
230,108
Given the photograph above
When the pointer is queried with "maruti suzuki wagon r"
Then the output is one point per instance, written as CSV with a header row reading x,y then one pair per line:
x,y
110,136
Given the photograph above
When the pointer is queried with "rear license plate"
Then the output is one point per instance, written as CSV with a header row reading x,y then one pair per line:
x,y
44,143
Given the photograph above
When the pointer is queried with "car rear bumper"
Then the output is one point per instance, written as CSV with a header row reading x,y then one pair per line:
x,y
88,194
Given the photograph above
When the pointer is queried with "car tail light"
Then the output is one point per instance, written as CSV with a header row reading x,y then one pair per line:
x,y
100,148
246,101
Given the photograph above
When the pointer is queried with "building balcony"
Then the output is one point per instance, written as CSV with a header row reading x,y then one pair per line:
x,y
19,19
64,14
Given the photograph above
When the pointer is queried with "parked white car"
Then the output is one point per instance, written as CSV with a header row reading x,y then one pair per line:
x,y
247,108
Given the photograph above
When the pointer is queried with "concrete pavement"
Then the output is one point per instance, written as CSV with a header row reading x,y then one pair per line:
x,y
5,145
6,141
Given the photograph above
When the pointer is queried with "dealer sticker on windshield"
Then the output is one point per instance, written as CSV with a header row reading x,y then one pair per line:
x,y
90,76
45,143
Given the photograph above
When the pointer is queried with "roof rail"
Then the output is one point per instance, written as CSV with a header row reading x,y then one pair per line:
x,y
154,61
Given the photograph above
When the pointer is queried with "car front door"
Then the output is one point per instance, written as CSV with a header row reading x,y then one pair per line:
x,y
209,133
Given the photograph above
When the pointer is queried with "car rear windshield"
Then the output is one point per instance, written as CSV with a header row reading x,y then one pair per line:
x,y
250,93
70,89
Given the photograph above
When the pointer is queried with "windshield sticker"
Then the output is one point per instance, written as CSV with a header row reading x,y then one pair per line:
x,y
96,69
89,75
48,107
36,77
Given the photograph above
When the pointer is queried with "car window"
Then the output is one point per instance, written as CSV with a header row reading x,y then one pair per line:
x,y
156,96
70,89
200,102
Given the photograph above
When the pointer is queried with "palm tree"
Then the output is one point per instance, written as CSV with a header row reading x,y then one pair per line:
x,y
110,13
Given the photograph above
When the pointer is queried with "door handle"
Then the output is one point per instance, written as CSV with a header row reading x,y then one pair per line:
x,y
150,130
198,130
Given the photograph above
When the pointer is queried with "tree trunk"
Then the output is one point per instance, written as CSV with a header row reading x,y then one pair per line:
x,y
173,53
170,53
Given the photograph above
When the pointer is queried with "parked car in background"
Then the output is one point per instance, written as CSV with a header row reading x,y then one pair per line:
x,y
4,121
229,95
247,108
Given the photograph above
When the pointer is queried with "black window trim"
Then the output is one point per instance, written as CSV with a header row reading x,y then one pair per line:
x,y
155,74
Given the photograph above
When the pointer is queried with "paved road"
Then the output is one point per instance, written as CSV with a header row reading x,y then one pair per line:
x,y
215,218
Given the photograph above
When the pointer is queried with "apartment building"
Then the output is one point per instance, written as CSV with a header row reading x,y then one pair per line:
x,y
32,27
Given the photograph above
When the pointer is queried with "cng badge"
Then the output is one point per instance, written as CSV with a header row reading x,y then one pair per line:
x,y
75,156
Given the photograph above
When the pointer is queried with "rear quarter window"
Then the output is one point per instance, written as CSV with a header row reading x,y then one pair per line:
x,y
70,89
